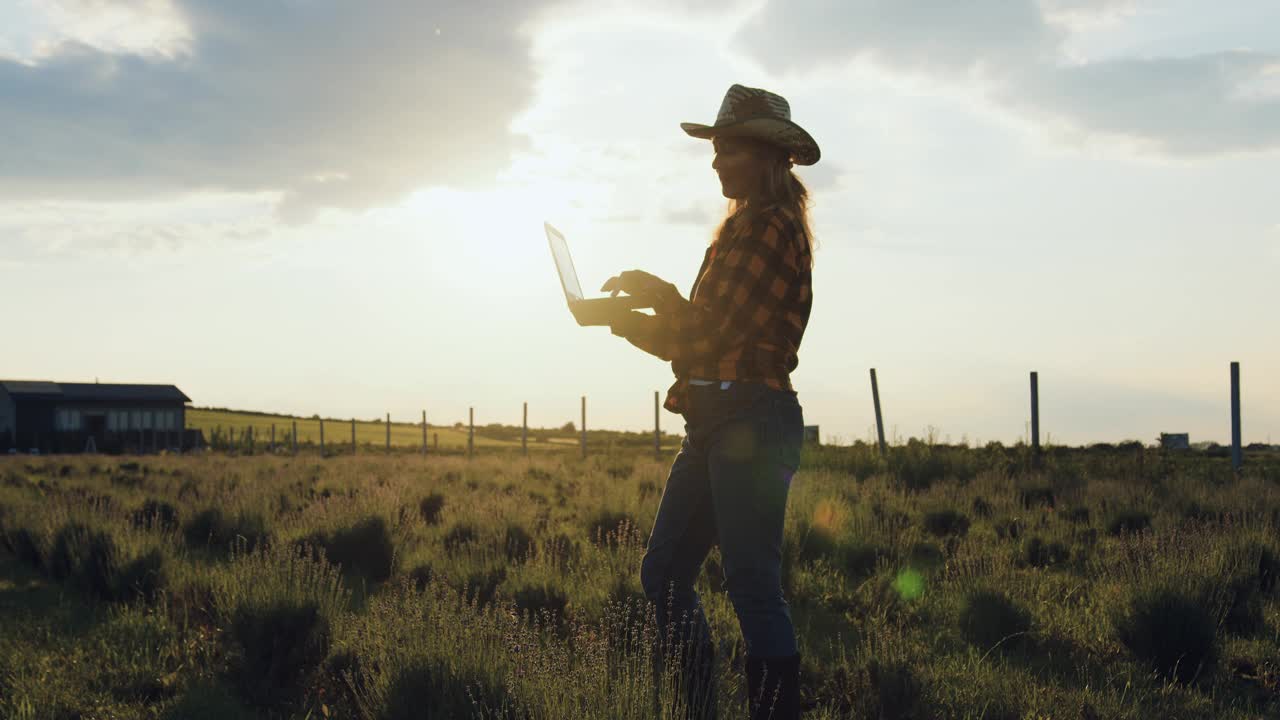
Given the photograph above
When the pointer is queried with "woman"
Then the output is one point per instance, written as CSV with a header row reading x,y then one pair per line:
x,y
732,347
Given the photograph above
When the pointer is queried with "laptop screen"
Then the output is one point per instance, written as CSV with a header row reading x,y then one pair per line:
x,y
564,263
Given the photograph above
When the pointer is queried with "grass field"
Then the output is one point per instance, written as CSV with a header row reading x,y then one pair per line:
x,y
945,582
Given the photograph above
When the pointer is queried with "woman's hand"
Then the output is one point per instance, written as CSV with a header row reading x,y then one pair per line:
x,y
638,283
628,323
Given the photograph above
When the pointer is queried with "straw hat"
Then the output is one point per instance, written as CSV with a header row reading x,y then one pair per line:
x,y
752,112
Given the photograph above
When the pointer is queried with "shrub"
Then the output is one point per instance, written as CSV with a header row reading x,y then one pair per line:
x,y
880,689
212,528
364,549
814,542
559,549
91,561
429,689
620,471
1036,496
1170,631
145,576
208,702
1009,529
1265,570
608,527
156,514
422,576
541,601
859,560
1129,521
482,585
430,508
942,523
1038,553
982,508
988,619
1243,616
281,643
516,543
1078,515
459,537
924,556
25,546
88,559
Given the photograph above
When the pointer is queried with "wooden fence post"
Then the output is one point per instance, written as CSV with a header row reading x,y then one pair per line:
x,y
435,441
353,436
657,430
471,430
388,433
524,430
273,438
424,432
1237,454
1035,418
322,436
584,427
875,396
250,439
294,437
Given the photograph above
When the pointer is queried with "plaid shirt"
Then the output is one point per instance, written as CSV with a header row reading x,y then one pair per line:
x,y
747,311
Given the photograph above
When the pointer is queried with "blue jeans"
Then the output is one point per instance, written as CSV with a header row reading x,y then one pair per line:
x,y
729,484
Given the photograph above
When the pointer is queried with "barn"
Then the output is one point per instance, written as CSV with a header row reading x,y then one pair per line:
x,y
47,417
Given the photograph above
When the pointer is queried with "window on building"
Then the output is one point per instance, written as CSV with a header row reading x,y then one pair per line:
x,y
135,420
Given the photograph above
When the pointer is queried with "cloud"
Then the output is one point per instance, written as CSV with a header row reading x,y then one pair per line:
x,y
1179,106
933,36
327,103
1207,103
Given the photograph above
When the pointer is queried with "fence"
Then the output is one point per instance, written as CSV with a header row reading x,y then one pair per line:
x,y
246,440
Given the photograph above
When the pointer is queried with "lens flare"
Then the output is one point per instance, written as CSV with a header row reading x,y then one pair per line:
x,y
909,584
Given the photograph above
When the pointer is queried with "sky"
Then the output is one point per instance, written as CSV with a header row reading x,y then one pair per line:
x,y
318,206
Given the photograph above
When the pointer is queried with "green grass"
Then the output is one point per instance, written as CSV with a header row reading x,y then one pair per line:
x,y
916,588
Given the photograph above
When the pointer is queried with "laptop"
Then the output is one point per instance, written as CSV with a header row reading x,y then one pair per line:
x,y
587,311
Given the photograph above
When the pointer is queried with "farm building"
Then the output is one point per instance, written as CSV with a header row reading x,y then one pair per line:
x,y
72,417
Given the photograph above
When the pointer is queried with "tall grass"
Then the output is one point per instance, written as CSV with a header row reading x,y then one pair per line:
x,y
940,582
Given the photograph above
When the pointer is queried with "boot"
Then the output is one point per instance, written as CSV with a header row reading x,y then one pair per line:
x,y
773,688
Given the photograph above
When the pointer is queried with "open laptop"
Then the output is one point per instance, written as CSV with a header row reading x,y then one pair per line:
x,y
587,311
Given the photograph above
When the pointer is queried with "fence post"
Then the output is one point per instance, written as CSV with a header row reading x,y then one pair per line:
x,y
657,430
1237,455
471,430
273,438
353,436
294,437
388,433
424,432
435,441
524,430
1035,419
250,439
322,436
584,427
875,396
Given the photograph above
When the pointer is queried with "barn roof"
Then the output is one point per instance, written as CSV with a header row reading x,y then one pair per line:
x,y
110,392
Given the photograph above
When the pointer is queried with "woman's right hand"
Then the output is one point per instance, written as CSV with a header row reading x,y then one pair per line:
x,y
662,294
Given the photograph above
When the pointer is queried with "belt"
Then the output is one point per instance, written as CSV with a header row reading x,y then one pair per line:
x,y
724,384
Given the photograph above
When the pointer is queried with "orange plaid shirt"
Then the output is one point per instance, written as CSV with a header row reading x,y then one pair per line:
x,y
747,311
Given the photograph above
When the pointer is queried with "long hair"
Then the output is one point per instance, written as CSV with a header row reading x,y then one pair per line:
x,y
780,188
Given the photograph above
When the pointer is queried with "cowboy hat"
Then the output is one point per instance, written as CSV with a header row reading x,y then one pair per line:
x,y
752,112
